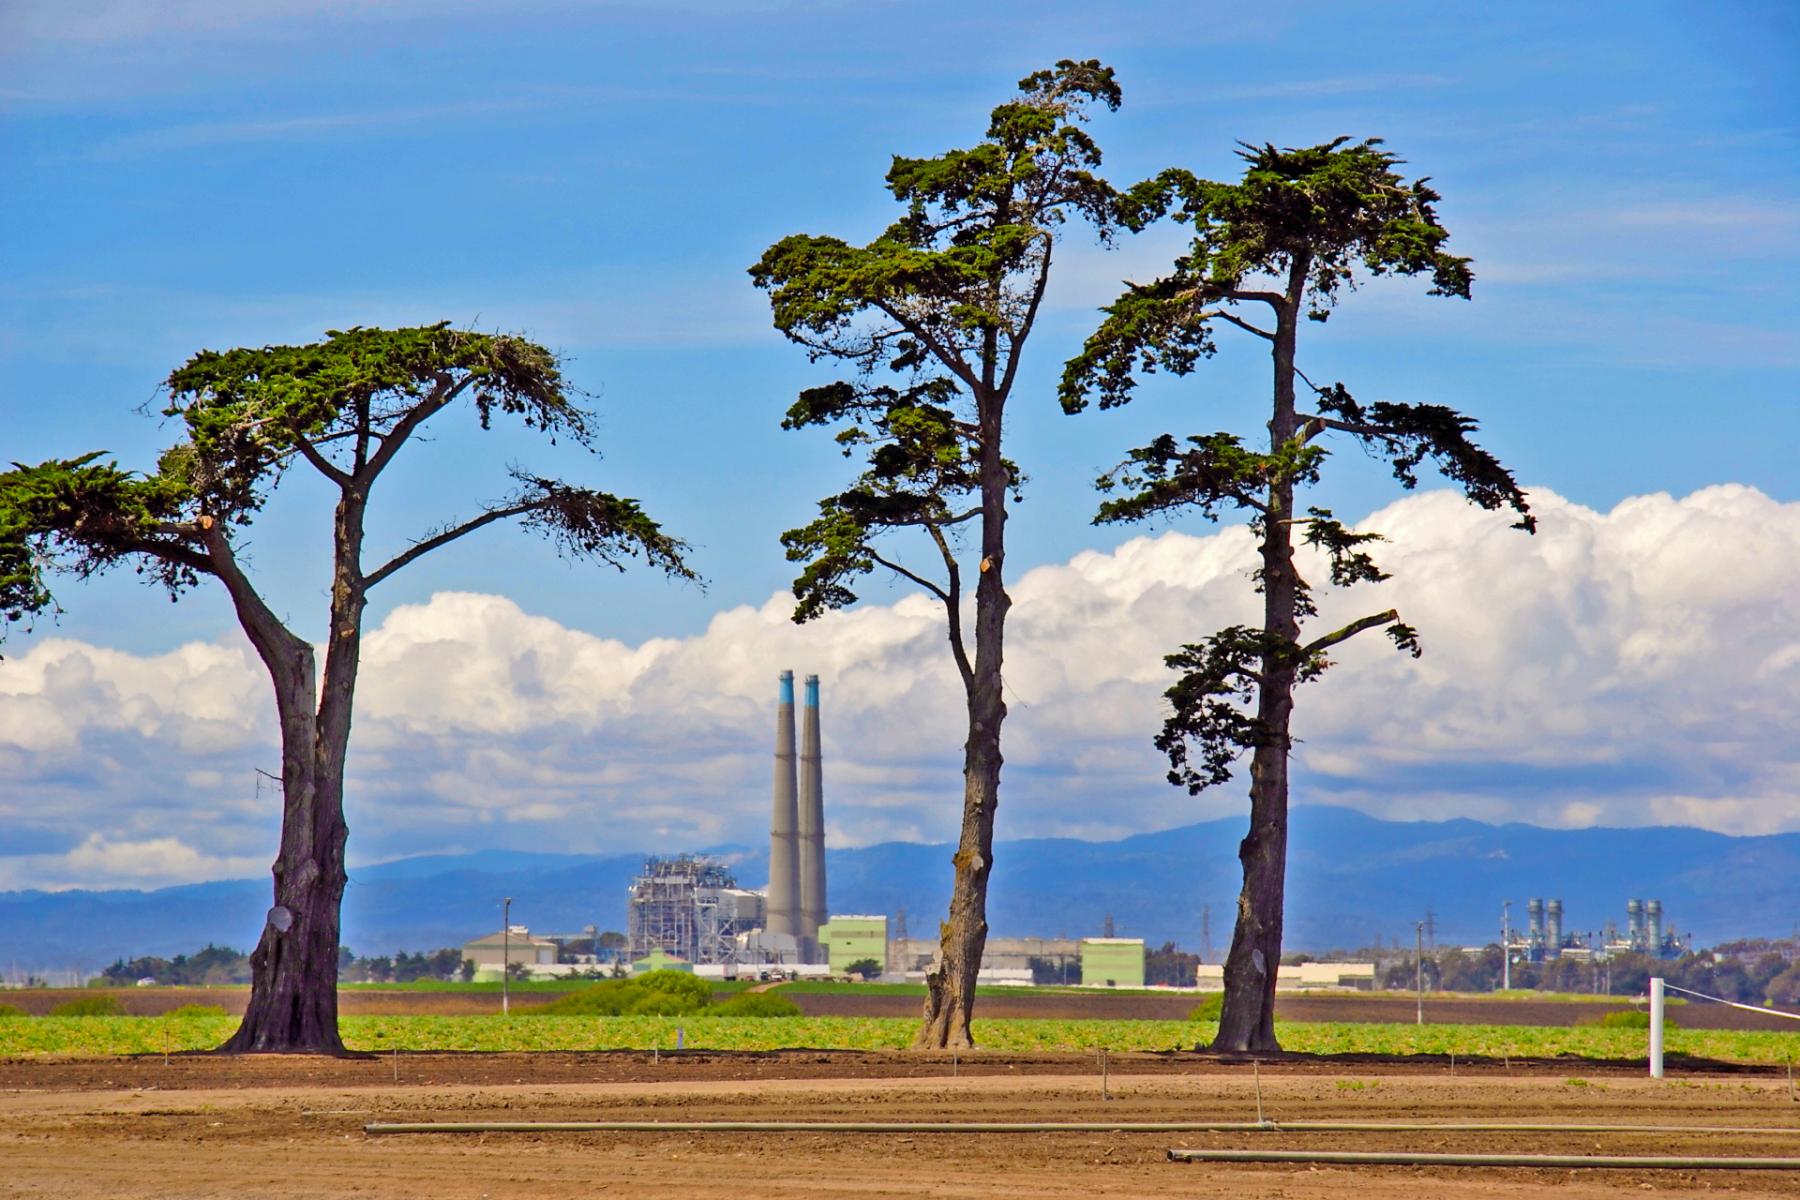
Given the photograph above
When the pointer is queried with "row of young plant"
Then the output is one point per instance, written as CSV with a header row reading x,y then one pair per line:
x,y
714,1028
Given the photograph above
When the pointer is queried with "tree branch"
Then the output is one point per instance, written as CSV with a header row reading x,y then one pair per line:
x,y
423,411
1242,324
420,549
323,465
923,582
1274,300
954,362
1349,631
1024,331
953,609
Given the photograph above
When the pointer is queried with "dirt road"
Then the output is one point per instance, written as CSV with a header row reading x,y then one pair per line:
x,y
286,1128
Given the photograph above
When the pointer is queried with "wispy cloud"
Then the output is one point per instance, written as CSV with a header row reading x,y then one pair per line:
x,y
305,128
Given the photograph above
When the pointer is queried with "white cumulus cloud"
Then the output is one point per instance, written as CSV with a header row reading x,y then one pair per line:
x,y
1625,667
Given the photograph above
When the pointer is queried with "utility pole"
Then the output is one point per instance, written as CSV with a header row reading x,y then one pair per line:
x,y
505,953
1419,962
1506,945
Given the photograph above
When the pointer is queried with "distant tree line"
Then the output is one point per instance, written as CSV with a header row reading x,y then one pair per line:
x,y
215,965
1769,973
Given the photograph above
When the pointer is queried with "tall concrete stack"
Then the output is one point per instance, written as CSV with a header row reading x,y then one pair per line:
x,y
812,826
784,859
1553,935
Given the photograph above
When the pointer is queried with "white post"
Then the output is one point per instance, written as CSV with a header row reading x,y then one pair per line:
x,y
505,952
1656,1029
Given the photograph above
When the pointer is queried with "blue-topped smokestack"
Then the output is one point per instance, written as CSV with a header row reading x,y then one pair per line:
x,y
812,825
784,859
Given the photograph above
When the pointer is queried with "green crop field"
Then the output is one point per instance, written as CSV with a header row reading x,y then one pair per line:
x,y
100,1036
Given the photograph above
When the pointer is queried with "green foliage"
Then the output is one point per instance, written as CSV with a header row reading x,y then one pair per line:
x,y
684,984
657,993
1632,1018
864,968
345,405
188,1012
1209,1008
1292,235
103,1036
756,1004
942,303
89,1006
1331,209
10,1010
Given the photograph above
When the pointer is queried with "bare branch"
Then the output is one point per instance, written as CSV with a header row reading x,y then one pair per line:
x,y
923,582
422,548
1349,631
1241,324
953,609
423,411
1024,331
323,465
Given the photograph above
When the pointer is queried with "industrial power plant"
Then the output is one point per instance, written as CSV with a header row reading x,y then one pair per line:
x,y
691,908
1544,938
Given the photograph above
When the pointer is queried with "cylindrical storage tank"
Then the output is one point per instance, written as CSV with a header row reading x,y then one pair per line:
x,y
1553,936
784,850
1653,923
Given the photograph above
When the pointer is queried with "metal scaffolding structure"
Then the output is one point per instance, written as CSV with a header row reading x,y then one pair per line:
x,y
688,906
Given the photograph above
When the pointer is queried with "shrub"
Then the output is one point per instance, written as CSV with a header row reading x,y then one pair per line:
x,y
607,999
90,1006
693,989
663,1004
10,1010
196,1010
1632,1018
1209,1008
659,993
757,1004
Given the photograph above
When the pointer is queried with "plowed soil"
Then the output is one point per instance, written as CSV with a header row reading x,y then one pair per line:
x,y
198,1126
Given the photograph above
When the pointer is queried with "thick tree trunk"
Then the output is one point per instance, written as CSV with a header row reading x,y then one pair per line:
x,y
294,968
293,984
950,984
1247,1020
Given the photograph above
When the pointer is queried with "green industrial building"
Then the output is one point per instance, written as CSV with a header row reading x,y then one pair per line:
x,y
1112,962
852,939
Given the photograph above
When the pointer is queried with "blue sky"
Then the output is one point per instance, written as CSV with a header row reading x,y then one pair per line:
x,y
206,173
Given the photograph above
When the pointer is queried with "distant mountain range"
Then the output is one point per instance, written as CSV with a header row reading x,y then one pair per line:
x,y
1351,878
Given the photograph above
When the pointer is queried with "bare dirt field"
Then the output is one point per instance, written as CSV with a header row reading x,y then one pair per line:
x,y
293,1127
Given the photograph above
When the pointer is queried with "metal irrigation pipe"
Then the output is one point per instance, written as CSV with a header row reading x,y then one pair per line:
x,y
1413,1159
378,1127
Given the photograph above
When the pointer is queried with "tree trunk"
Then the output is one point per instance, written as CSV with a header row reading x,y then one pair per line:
x,y
950,984
1247,1019
294,968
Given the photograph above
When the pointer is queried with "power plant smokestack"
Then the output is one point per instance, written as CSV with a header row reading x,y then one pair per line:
x,y
1553,915
812,823
1653,917
1634,923
784,865
1535,908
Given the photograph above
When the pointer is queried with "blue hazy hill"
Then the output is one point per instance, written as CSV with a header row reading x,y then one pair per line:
x,y
1352,878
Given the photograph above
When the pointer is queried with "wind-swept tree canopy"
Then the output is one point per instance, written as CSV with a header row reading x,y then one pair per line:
x,y
343,408
931,319
1300,230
